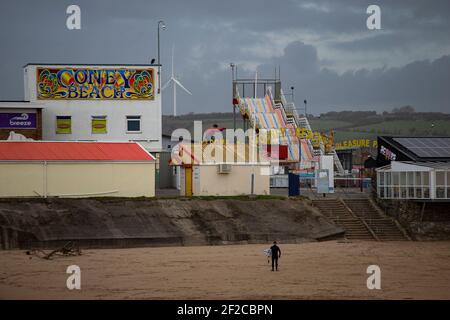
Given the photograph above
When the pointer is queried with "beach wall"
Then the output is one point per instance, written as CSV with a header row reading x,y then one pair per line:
x,y
423,221
113,223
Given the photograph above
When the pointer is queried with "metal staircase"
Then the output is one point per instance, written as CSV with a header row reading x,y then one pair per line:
x,y
302,122
337,163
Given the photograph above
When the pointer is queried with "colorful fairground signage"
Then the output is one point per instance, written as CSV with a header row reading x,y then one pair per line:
x,y
93,83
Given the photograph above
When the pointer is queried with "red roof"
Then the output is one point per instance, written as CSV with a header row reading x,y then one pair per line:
x,y
82,151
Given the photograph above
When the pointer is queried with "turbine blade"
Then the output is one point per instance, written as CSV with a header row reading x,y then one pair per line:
x,y
166,84
181,86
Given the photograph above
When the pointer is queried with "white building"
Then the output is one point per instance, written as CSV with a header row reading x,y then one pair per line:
x,y
75,169
414,180
217,169
97,102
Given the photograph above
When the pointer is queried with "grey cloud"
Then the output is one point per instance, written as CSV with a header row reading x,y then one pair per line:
x,y
210,34
423,84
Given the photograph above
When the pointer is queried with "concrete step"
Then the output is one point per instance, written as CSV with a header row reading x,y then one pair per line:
x,y
384,228
336,210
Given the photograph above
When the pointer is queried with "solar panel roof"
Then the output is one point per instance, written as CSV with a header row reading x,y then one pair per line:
x,y
433,147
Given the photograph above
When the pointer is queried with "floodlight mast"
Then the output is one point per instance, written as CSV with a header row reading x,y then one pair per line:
x,y
161,26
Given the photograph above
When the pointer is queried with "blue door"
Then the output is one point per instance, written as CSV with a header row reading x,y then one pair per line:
x,y
294,185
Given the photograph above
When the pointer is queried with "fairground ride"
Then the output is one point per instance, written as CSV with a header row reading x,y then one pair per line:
x,y
262,105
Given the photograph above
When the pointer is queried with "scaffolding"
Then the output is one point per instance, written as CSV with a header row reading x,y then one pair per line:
x,y
263,106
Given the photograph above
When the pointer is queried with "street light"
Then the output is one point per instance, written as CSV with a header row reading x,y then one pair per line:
x,y
306,113
161,26
232,65
292,90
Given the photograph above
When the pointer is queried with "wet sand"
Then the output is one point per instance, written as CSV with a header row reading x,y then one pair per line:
x,y
325,270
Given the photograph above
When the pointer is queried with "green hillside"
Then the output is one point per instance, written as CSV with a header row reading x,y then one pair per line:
x,y
408,127
347,125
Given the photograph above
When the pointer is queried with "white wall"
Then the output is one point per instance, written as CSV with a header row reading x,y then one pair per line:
x,y
77,179
115,110
327,163
237,182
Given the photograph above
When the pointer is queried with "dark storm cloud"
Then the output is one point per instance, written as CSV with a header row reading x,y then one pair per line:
x,y
422,83
323,47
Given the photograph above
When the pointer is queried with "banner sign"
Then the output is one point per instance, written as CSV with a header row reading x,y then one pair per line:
x,y
18,120
64,125
356,144
92,84
99,125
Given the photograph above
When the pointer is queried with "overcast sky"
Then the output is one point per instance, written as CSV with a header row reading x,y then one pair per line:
x,y
323,47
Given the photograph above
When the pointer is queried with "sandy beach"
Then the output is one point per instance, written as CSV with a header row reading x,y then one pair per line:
x,y
325,270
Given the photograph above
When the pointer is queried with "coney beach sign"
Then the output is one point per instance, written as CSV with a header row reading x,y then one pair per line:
x,y
95,83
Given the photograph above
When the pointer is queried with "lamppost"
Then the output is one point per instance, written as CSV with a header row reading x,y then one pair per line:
x,y
232,65
306,113
161,26
292,90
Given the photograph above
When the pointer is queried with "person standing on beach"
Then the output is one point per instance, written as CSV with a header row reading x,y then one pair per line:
x,y
276,253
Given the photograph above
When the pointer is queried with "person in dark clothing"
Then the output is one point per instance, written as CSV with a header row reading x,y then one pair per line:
x,y
276,253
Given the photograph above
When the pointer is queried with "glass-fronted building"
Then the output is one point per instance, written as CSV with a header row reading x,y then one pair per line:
x,y
416,168
408,180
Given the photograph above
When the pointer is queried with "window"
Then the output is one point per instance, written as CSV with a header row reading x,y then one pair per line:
x,y
418,178
381,178
426,178
441,184
410,178
63,124
418,192
133,123
411,185
395,176
440,192
403,192
396,192
388,192
426,193
98,124
440,178
403,178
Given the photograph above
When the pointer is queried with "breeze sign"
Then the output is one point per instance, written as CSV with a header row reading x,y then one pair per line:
x,y
17,120
93,83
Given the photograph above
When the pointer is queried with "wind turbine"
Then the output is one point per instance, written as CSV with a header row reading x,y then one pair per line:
x,y
176,83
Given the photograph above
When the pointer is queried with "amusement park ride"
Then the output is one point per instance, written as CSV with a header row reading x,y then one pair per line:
x,y
264,107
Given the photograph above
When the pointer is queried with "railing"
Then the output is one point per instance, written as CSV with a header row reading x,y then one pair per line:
x,y
281,181
289,107
296,117
353,182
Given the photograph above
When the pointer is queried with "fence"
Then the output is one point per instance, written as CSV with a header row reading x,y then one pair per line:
x,y
281,181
